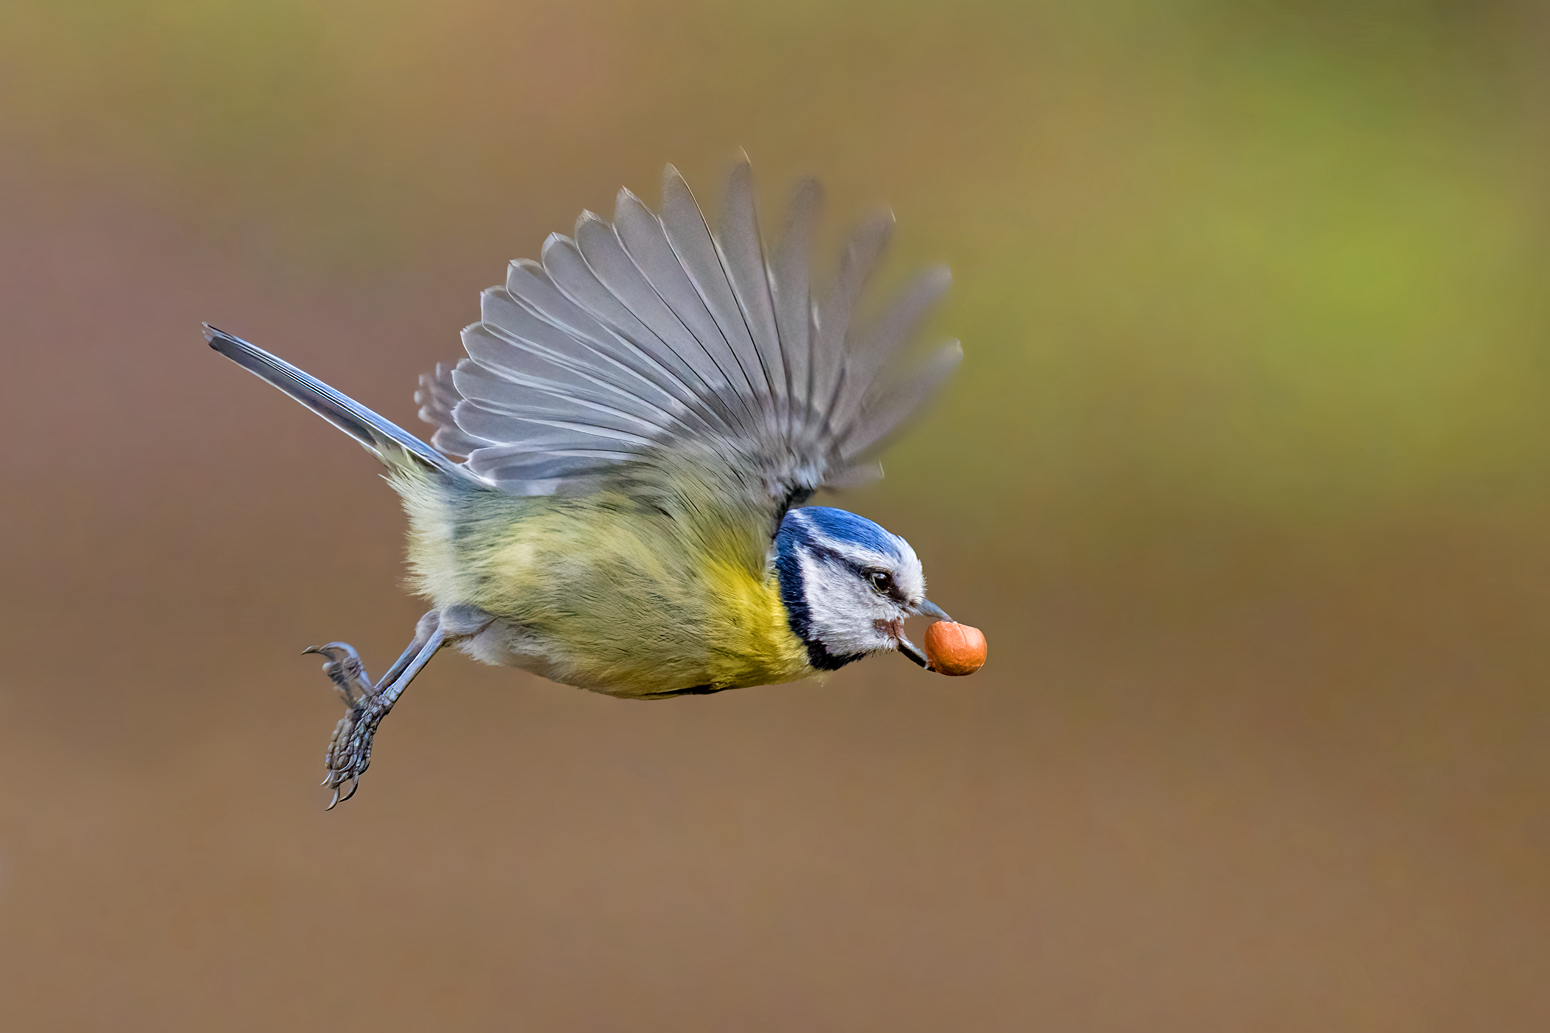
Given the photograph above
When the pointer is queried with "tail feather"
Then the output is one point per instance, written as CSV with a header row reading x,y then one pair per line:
x,y
387,440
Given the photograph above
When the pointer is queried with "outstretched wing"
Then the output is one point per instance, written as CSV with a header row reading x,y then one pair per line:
x,y
642,346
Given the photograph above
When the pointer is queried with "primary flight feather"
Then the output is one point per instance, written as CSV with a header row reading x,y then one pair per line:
x,y
639,416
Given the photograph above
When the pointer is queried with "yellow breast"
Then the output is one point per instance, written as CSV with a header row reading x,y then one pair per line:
x,y
603,594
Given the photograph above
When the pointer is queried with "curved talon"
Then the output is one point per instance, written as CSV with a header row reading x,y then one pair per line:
x,y
366,704
354,784
349,750
327,648
345,669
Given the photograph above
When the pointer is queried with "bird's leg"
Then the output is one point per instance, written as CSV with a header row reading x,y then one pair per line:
x,y
349,751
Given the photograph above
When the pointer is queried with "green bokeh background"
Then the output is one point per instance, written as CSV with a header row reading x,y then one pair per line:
x,y
1246,475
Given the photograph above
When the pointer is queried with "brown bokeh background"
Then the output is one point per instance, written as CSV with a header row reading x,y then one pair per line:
x,y
1246,476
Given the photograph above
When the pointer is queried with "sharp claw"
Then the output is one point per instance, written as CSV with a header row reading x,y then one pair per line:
x,y
348,753
345,758
349,750
328,649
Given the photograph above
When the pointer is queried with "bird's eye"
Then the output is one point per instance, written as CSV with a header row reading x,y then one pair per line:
x,y
880,580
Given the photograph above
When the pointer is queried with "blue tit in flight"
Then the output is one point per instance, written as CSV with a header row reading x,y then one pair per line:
x,y
641,415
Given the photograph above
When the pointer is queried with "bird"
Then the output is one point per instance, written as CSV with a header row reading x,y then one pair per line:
x,y
614,494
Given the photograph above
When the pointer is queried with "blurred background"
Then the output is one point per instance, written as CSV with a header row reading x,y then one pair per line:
x,y
1246,476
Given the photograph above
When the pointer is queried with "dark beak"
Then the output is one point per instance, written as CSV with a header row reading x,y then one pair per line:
x,y
927,608
909,649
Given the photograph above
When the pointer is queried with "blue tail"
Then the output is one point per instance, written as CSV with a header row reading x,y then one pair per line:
x,y
387,440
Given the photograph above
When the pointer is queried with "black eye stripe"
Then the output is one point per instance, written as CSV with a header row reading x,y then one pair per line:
x,y
862,573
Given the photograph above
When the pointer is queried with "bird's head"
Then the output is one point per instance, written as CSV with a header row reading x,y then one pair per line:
x,y
848,586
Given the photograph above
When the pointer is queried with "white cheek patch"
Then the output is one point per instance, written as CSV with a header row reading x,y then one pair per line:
x,y
842,611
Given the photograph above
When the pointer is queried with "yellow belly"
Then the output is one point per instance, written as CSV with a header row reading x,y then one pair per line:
x,y
603,594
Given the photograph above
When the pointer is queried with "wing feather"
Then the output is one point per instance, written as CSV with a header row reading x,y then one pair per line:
x,y
792,296
642,244
646,352
541,432
437,398
686,230
654,348
832,320
741,252
493,392
516,361
887,409
878,346
518,344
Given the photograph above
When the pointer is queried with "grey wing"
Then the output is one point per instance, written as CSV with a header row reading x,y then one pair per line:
x,y
653,337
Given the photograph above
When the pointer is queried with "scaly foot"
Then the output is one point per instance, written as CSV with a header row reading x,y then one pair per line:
x,y
367,703
349,751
